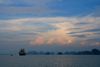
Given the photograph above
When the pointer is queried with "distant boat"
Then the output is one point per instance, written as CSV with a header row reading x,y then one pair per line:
x,y
11,55
22,52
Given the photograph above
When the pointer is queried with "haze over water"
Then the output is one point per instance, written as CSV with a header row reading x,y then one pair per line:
x,y
50,61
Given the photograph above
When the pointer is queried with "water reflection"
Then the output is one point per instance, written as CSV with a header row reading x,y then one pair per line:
x,y
50,61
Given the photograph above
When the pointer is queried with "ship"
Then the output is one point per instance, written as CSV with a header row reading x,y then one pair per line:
x,y
22,52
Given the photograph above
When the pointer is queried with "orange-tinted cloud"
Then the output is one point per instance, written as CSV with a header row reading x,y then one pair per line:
x,y
55,40
96,43
41,41
92,44
50,41
38,41
56,37
82,43
69,41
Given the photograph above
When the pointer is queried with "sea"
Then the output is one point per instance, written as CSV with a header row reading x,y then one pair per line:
x,y
50,61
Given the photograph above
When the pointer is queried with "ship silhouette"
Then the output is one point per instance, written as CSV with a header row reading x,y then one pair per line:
x,y
22,52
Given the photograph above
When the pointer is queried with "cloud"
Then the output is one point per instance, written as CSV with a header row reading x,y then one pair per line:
x,y
96,43
37,24
26,10
79,36
53,29
82,23
94,40
39,41
89,30
74,28
18,2
96,33
82,43
52,37
50,41
37,7
5,2
92,30
16,36
29,33
73,32
96,11
69,41
45,27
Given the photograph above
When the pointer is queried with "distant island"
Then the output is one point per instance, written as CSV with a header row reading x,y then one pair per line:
x,y
92,52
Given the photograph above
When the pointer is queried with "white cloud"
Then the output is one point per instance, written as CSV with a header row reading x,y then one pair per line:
x,y
51,36
26,10
38,7
6,2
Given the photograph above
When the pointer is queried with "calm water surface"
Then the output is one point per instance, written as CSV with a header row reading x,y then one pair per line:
x,y
50,61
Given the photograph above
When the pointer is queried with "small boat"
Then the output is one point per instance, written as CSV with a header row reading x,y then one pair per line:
x,y
11,55
22,52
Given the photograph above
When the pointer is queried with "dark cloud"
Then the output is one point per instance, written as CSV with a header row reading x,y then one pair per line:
x,y
2,41
15,35
29,33
92,30
96,33
8,35
79,36
73,32
93,40
82,23
74,28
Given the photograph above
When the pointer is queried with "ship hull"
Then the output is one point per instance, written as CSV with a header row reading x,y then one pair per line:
x,y
22,54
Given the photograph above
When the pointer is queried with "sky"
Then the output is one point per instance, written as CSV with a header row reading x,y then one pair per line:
x,y
49,25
